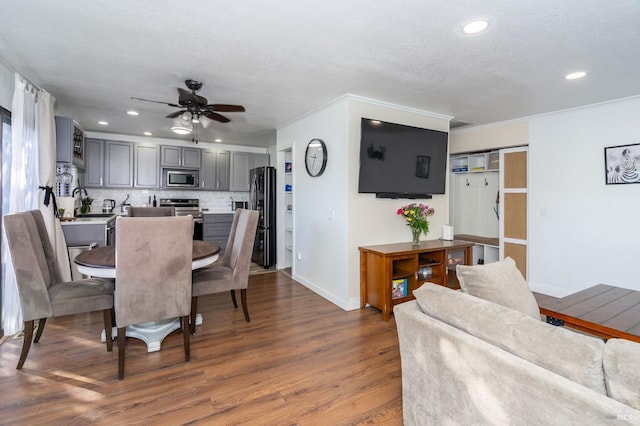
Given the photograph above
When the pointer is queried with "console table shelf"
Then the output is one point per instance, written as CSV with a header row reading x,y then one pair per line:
x,y
387,265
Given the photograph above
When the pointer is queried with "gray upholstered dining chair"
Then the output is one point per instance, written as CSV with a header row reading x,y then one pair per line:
x,y
42,293
152,211
233,272
153,274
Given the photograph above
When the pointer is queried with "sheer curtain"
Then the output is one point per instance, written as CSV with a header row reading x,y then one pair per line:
x,y
46,143
19,187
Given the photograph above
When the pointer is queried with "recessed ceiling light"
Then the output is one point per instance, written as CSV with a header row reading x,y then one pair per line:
x,y
217,140
476,26
575,75
103,123
375,121
148,133
133,113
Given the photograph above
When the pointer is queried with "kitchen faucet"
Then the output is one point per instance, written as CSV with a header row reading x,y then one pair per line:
x,y
85,202
80,189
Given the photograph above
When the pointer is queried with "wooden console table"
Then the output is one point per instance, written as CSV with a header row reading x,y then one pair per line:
x,y
390,272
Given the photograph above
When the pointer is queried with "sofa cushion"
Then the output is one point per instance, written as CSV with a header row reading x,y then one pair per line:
x,y
575,356
499,282
621,371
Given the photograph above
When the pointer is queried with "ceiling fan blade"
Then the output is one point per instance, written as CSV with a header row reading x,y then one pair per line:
x,y
176,114
215,116
157,102
225,108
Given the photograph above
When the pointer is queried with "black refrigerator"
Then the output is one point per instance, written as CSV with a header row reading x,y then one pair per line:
x,y
262,197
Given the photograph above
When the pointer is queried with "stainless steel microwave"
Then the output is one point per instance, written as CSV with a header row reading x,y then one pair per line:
x,y
180,178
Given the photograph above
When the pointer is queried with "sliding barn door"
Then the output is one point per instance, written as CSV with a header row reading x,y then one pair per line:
x,y
513,206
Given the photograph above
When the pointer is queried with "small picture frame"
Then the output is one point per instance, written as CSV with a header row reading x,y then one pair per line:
x,y
422,166
622,164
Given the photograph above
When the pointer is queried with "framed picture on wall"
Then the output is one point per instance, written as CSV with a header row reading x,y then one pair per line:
x,y
622,164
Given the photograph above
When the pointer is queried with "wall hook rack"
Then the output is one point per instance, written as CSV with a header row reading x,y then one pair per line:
x,y
467,182
485,182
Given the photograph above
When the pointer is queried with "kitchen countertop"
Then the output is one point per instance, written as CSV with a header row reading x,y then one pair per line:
x,y
92,220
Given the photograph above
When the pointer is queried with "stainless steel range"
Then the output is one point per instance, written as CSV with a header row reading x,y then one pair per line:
x,y
184,207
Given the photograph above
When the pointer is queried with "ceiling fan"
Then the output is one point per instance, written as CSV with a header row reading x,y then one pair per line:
x,y
195,106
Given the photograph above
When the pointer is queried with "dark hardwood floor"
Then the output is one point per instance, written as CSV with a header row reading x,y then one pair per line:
x,y
301,360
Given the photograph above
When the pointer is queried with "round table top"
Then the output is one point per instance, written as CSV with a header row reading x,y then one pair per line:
x,y
105,257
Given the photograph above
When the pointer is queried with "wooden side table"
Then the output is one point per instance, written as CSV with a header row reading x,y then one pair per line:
x,y
389,273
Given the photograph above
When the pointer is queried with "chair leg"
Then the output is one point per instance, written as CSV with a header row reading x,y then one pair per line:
x,y
243,296
122,338
26,343
194,310
107,329
187,337
233,298
40,329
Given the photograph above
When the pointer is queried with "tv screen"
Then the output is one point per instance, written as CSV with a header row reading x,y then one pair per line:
x,y
401,161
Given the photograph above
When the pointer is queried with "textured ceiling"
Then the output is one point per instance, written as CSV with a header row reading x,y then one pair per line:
x,y
281,59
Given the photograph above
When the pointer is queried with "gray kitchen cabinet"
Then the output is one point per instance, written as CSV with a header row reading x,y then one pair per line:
x,y
176,156
94,163
208,170
258,160
222,170
118,164
216,228
147,166
241,163
69,142
239,173
214,173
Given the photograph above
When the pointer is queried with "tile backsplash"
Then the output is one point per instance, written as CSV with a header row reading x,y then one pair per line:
x,y
214,201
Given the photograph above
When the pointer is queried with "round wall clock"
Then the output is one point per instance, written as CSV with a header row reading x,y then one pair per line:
x,y
315,157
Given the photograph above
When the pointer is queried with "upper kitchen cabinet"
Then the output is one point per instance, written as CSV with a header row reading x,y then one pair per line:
x,y
180,156
241,163
118,164
69,142
147,166
214,173
109,164
94,164
258,160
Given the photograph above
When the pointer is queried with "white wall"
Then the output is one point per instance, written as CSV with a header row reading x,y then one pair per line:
x,y
493,136
330,263
373,220
7,82
321,243
581,231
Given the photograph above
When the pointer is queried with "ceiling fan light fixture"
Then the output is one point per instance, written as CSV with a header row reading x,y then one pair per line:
x,y
205,121
181,130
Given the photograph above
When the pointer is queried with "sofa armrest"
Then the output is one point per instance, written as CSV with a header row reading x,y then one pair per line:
x,y
451,377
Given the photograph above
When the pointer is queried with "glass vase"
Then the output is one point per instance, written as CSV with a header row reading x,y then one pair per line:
x,y
415,233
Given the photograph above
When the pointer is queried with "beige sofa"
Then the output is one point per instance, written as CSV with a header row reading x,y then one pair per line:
x,y
466,360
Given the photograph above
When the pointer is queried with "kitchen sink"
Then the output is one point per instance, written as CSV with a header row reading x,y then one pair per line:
x,y
95,215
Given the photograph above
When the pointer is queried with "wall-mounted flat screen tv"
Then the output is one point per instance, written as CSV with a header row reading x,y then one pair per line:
x,y
398,161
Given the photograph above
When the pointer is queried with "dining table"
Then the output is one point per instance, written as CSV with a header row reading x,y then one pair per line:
x,y
101,262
